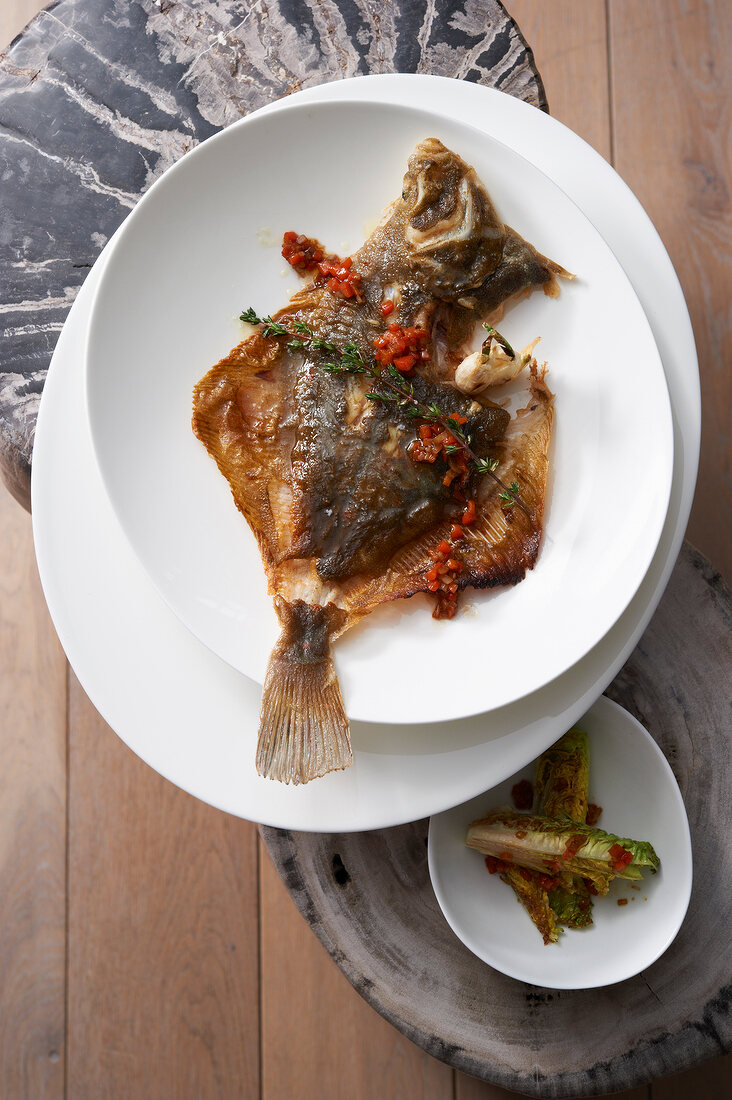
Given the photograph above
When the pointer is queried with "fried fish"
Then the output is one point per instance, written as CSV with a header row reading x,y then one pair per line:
x,y
353,499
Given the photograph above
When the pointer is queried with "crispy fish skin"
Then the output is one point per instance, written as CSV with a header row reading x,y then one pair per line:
x,y
344,518
502,544
356,527
445,257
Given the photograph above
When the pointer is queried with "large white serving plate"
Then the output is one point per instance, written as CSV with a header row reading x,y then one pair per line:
x,y
190,258
191,716
633,782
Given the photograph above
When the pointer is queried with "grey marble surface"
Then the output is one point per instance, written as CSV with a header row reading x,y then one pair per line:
x,y
99,97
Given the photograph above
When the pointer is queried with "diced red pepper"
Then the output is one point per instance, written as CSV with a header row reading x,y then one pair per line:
x,y
305,254
387,307
621,857
405,346
593,814
573,846
456,532
469,514
522,794
495,865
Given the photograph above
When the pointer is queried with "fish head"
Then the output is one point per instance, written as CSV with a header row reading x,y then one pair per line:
x,y
453,235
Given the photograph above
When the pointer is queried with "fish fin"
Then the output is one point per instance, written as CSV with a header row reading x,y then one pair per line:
x,y
556,272
303,728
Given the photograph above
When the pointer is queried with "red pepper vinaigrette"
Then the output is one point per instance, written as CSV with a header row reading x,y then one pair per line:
x,y
306,254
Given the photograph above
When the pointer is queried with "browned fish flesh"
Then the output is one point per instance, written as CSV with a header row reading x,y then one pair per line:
x,y
325,475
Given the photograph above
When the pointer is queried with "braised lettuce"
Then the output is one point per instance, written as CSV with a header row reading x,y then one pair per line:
x,y
557,847
535,901
562,781
551,858
572,910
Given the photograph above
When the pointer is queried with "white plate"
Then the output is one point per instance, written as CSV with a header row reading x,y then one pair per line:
x,y
186,263
632,781
194,719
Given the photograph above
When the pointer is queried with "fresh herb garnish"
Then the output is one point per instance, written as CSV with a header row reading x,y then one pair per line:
x,y
509,496
269,327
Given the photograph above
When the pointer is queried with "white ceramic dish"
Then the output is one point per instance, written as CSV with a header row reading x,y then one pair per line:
x,y
632,781
194,719
189,259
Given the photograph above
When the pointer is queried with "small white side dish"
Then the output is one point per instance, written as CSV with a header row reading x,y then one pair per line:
x,y
633,782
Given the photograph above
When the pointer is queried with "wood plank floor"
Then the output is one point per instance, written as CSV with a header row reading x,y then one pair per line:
x,y
148,948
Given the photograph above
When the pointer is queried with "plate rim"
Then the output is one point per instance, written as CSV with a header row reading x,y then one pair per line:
x,y
93,351
597,669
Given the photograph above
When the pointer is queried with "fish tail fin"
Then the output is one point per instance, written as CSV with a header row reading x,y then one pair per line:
x,y
303,729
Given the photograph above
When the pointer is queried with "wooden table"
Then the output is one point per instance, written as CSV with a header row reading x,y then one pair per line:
x,y
89,960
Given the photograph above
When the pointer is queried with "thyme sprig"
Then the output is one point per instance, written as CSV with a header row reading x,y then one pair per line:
x,y
508,496
394,390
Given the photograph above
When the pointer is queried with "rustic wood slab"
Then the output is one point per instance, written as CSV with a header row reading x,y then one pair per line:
x,y
368,898
99,97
